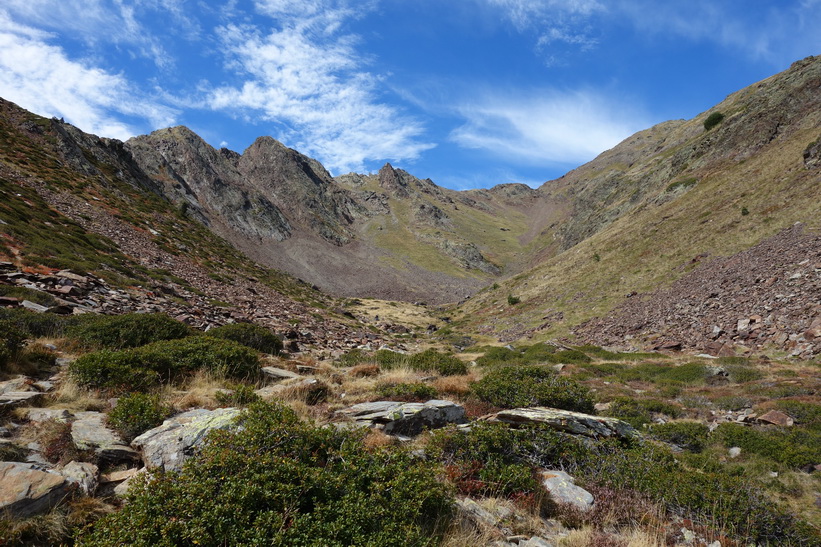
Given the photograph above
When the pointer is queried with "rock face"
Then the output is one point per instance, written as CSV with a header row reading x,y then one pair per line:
x,y
26,491
85,475
406,419
168,446
576,423
89,432
563,490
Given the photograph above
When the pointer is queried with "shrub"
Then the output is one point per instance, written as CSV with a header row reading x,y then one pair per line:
x,y
638,412
39,324
38,297
725,503
239,395
808,414
530,385
429,360
278,481
248,334
690,436
12,337
796,447
136,413
126,331
146,366
741,374
513,300
407,392
713,120
536,354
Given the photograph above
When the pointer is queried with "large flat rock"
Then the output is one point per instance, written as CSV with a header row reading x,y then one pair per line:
x,y
576,423
89,432
407,419
26,490
168,446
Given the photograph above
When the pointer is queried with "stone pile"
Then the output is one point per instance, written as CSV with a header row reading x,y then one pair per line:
x,y
766,297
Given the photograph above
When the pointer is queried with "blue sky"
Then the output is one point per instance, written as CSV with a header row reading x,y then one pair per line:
x,y
469,93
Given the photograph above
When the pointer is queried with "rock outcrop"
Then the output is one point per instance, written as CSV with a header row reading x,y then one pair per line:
x,y
168,446
576,423
405,419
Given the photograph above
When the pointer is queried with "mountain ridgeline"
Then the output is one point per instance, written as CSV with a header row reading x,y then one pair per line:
x,y
523,262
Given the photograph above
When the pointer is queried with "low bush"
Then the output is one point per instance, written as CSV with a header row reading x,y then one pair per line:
x,y
279,481
638,412
429,360
248,334
126,331
39,324
531,385
728,504
540,353
658,373
808,414
796,447
690,436
713,120
167,361
238,395
407,392
33,295
740,374
601,353
136,413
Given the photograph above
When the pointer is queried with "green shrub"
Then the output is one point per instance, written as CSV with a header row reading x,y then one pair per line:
x,y
741,374
688,373
713,120
136,413
144,367
530,385
407,392
601,353
248,334
12,336
690,436
499,356
278,481
728,504
39,324
795,447
429,360
126,331
239,395
638,412
540,353
513,300
33,295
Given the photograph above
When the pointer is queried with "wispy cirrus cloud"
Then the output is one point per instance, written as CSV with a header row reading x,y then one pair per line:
x,y
546,128
41,77
306,75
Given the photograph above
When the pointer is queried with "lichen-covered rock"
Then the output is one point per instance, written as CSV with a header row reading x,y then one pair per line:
x,y
570,422
85,475
26,490
167,446
407,419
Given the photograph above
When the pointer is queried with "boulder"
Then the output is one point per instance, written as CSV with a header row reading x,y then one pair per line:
x,y
576,423
26,490
776,417
563,490
12,399
38,415
407,419
85,475
89,432
168,446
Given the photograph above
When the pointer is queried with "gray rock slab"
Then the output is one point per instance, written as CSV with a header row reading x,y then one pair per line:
x,y
397,418
13,399
26,490
278,373
570,422
168,446
89,432
38,415
563,490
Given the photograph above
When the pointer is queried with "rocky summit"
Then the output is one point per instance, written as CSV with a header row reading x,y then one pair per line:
x,y
201,346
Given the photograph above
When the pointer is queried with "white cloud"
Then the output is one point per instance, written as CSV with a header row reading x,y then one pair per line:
x,y
778,34
40,77
307,76
546,129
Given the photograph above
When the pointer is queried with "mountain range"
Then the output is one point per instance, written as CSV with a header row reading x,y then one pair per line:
x,y
667,205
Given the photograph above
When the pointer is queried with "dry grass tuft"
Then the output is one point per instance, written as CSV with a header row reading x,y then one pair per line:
x,y
199,392
364,371
70,396
377,439
454,385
